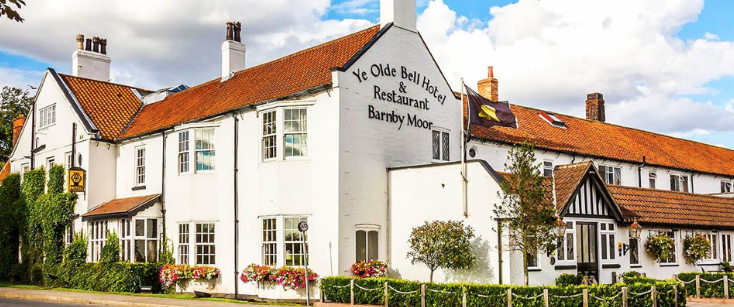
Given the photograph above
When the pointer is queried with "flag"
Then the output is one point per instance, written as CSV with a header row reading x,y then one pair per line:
x,y
486,113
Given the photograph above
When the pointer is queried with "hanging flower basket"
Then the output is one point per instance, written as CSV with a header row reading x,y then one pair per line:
x,y
695,248
660,247
288,277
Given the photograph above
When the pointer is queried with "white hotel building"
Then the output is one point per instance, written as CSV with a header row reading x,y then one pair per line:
x,y
360,136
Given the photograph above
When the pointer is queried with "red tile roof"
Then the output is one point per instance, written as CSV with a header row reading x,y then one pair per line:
x,y
566,179
121,206
5,172
110,106
298,72
609,141
674,208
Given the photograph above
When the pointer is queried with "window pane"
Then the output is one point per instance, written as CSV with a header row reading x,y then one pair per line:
x,y
603,246
152,228
634,251
140,228
373,246
139,250
569,246
561,250
445,146
361,245
152,251
611,246
436,145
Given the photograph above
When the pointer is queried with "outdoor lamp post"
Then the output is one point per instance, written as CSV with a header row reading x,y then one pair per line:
x,y
634,234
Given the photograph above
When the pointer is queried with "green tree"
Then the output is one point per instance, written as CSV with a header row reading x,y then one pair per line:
x,y
76,252
12,223
13,102
528,216
110,252
7,9
442,244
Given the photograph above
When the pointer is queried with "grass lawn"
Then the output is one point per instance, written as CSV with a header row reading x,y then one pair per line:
x,y
174,296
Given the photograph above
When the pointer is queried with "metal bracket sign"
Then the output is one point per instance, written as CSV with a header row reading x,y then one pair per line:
x,y
76,181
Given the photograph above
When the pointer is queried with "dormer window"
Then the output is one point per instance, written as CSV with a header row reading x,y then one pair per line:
x,y
552,119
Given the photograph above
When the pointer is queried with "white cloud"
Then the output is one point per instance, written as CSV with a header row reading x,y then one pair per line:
x,y
551,53
165,42
20,78
357,7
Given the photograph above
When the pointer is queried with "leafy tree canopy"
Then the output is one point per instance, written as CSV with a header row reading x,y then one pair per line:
x,y
9,9
13,102
442,244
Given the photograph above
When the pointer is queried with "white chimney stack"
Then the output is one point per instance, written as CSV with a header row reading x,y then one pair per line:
x,y
233,51
91,61
401,13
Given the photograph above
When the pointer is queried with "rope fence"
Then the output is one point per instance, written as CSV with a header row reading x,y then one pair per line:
x,y
625,294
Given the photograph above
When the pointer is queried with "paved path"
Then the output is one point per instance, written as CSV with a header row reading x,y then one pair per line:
x,y
28,303
695,304
71,298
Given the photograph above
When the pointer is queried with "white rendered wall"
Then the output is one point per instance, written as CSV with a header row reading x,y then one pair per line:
x,y
433,193
367,147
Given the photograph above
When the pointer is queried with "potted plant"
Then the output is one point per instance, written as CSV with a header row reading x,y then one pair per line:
x,y
660,246
372,268
695,248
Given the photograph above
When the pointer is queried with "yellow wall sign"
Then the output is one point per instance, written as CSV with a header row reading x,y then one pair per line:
x,y
76,179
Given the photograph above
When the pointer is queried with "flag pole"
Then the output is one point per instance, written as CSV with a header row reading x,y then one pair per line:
x,y
464,183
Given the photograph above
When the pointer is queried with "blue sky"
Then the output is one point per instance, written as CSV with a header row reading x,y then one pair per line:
x,y
694,113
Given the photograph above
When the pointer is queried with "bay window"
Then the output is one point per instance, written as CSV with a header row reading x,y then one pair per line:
x,y
205,247
282,242
205,154
294,134
146,240
183,152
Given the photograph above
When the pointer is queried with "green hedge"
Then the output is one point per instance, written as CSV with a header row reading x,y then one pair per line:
x,y
713,290
107,277
336,289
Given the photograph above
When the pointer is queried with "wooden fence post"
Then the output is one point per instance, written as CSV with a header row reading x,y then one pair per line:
x,y
545,298
351,291
698,286
625,303
586,298
675,277
423,295
675,294
654,296
386,304
726,286
463,299
509,297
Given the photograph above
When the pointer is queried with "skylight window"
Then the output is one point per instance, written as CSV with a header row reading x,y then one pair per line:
x,y
552,119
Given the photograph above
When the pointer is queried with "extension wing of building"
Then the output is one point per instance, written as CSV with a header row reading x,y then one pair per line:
x,y
359,136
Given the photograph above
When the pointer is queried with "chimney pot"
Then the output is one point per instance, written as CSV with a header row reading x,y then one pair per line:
x,y
595,107
237,30
490,72
95,44
230,29
88,44
103,46
80,41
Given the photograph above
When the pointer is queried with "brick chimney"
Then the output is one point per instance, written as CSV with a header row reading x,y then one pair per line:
x,y
595,107
489,87
233,51
90,60
18,127
402,13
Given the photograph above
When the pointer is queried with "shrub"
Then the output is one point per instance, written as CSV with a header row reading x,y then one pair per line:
x,y
569,280
631,274
111,277
110,252
336,289
708,290
696,248
659,246
76,252
372,268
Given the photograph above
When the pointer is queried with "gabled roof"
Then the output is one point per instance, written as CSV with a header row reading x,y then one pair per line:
x,y
122,207
661,207
608,141
568,180
109,106
307,70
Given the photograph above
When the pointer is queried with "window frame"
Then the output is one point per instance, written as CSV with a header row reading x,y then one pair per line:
x,y
212,142
726,186
652,180
270,132
616,173
184,248
674,254
290,224
145,238
564,244
47,119
368,245
608,235
126,240
547,168
211,243
184,152
726,247
714,250
634,245
278,229
273,134
269,241
303,132
50,162
97,234
440,145
681,183
139,166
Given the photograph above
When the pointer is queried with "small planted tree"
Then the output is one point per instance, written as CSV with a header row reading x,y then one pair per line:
x,y
442,244
529,217
76,252
110,252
